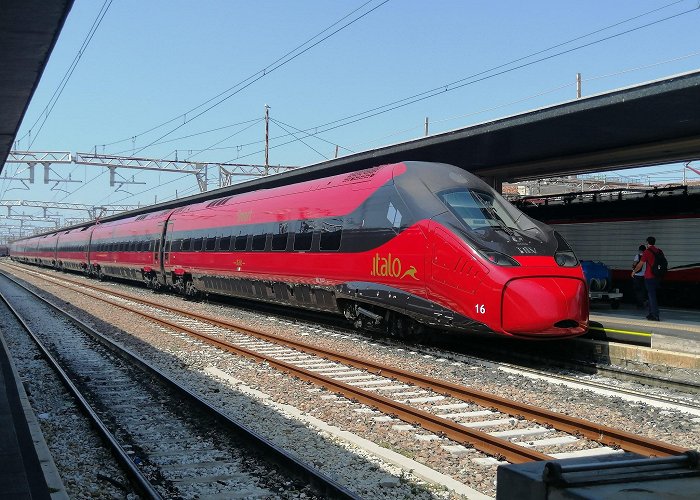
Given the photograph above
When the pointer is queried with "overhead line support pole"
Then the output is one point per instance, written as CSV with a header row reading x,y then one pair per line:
x,y
267,137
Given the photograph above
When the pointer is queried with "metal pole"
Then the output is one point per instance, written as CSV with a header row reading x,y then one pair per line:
x,y
267,137
426,126
336,151
578,85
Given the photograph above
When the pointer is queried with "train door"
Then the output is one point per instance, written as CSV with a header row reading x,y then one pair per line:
x,y
88,251
162,250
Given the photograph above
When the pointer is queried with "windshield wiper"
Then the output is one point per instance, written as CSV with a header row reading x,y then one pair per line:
x,y
493,213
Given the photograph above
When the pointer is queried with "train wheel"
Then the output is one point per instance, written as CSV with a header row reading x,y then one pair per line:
x,y
403,327
191,291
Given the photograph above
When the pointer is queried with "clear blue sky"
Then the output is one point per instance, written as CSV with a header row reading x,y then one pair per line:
x,y
152,61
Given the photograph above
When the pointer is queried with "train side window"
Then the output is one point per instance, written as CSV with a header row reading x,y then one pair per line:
x,y
197,244
211,244
331,233
176,246
225,243
155,246
185,246
259,241
241,243
279,240
304,236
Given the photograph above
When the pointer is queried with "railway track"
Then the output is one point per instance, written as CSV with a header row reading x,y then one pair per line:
x,y
446,409
168,449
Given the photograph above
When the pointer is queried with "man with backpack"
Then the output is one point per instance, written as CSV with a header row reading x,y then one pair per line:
x,y
656,266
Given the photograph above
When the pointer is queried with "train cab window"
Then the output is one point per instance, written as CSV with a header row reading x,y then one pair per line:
x,y
185,246
478,209
197,244
394,216
279,240
304,236
211,244
225,243
241,243
331,233
259,241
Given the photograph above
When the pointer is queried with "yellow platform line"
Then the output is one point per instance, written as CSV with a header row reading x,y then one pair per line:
x,y
624,332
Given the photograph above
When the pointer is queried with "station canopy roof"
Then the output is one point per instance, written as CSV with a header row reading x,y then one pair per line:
x,y
28,32
648,124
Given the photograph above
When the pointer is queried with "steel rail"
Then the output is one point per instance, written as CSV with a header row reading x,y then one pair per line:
x,y
480,440
572,425
327,486
138,479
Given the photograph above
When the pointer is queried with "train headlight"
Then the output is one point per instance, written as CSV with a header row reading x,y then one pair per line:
x,y
566,258
499,258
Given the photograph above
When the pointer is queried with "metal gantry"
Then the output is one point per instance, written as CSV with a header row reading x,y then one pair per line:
x,y
200,169
227,172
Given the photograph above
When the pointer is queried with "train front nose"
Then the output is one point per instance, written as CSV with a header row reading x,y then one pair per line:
x,y
545,306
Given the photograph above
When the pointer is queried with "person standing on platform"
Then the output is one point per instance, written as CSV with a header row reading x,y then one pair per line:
x,y
650,280
640,291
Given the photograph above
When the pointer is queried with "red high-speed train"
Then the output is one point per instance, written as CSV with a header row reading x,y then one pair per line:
x,y
401,247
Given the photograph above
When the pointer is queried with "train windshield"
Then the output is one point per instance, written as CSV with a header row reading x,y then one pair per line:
x,y
479,209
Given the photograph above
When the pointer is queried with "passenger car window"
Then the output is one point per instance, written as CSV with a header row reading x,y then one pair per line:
x,y
259,241
304,236
225,243
241,243
279,240
331,233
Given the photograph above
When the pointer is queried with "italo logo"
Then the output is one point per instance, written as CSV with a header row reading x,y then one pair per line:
x,y
391,267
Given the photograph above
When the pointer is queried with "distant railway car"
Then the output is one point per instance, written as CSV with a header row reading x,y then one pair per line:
x,y
45,253
610,226
398,247
72,249
4,250
128,248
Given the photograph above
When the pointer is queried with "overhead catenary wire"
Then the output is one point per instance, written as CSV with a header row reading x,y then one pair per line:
x,y
204,132
452,86
278,63
69,72
298,139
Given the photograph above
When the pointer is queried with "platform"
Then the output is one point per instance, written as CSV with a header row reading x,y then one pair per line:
x,y
26,467
678,330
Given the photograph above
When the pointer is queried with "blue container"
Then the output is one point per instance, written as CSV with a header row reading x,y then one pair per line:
x,y
597,275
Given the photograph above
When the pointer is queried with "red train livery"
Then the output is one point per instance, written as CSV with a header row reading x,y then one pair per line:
x,y
402,247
